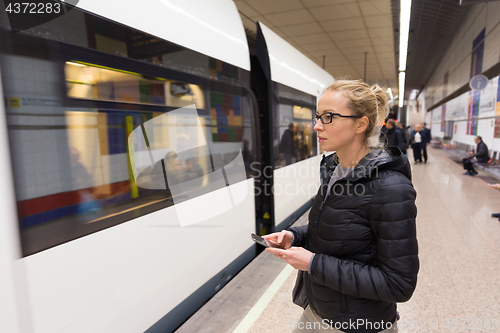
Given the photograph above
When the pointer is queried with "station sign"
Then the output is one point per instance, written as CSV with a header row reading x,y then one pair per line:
x,y
478,82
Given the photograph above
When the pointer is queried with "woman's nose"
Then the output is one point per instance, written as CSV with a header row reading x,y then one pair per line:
x,y
318,126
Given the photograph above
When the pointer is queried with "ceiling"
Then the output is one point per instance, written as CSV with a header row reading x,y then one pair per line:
x,y
339,32
433,24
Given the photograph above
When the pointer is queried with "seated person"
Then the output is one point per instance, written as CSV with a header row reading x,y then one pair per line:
x,y
481,156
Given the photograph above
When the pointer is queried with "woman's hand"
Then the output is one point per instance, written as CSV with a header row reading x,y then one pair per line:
x,y
495,186
297,257
283,238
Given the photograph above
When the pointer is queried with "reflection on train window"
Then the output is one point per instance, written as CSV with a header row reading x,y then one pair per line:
x,y
88,81
295,138
80,174
297,142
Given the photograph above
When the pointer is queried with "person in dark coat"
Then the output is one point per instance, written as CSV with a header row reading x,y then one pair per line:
x,y
427,133
480,156
393,135
406,137
358,255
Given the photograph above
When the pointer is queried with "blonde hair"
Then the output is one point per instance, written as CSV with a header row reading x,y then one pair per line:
x,y
365,101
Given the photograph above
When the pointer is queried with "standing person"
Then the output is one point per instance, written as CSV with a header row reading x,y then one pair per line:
x,y
358,256
287,144
427,133
417,139
481,156
393,134
406,137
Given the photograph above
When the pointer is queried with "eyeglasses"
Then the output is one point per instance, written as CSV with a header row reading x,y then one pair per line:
x,y
327,117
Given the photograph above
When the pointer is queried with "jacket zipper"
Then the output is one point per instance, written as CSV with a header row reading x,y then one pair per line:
x,y
320,210
308,286
343,306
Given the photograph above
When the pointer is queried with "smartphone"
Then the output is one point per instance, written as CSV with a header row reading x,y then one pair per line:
x,y
259,240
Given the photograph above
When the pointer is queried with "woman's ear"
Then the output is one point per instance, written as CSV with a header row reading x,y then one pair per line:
x,y
362,125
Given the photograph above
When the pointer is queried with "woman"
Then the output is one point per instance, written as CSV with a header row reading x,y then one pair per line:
x,y
357,257
418,140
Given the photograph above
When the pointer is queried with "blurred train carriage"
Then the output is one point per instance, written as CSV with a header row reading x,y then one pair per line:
x,y
137,137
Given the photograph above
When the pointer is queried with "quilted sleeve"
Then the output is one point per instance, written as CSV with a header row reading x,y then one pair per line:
x,y
299,235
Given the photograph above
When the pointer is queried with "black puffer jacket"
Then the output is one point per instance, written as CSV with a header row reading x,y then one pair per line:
x,y
364,237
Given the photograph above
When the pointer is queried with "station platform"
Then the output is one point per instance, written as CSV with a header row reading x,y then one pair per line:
x,y
458,283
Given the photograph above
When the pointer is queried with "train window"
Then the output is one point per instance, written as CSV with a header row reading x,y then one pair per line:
x,y
74,103
294,134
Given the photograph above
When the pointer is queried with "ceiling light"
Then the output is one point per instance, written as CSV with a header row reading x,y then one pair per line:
x,y
401,88
404,30
389,91
74,64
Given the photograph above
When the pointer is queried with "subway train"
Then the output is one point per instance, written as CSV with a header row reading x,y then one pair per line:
x,y
142,144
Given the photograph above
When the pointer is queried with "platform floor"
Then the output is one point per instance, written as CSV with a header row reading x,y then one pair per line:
x,y
458,286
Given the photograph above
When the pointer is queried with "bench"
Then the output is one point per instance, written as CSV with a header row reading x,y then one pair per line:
x,y
457,150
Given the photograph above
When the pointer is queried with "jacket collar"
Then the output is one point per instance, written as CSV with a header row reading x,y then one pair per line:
x,y
379,159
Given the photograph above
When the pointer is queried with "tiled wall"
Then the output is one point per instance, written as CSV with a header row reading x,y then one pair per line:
x,y
43,167
30,76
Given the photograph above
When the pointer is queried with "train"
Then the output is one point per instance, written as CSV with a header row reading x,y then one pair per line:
x,y
141,145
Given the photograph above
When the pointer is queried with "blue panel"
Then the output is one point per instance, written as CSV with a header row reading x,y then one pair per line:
x,y
26,221
47,216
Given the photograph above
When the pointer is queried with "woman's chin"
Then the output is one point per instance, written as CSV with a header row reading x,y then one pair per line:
x,y
326,147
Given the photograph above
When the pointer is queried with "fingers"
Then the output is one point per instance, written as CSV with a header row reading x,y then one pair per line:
x,y
276,251
280,237
270,236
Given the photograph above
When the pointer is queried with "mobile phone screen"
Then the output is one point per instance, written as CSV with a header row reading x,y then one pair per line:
x,y
259,240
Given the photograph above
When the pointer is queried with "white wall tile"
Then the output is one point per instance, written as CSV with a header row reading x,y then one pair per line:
x,y
28,63
17,62
30,192
18,86
30,87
